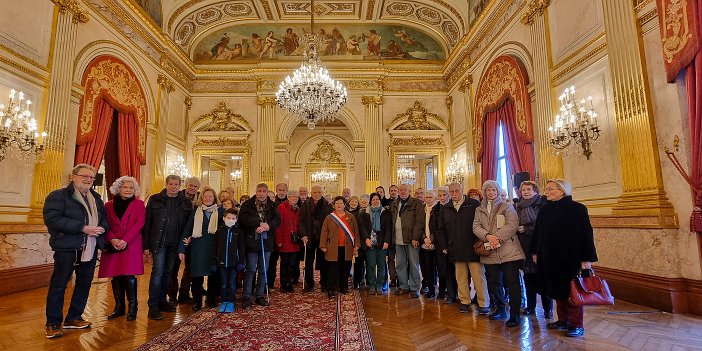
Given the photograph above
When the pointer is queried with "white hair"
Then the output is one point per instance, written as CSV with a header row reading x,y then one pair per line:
x,y
563,185
431,192
442,188
114,189
491,184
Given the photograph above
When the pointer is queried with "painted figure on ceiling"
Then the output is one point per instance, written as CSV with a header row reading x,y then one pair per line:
x,y
290,42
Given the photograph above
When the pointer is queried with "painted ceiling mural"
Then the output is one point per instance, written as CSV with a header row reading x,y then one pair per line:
x,y
340,42
153,8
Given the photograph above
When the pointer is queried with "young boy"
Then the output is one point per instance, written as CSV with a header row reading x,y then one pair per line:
x,y
231,257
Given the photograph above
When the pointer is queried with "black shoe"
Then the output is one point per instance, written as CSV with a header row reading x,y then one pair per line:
x,y
118,292
247,304
414,295
575,332
131,290
441,296
483,311
261,301
513,321
528,311
331,294
172,300
424,289
197,306
401,291
463,308
430,295
185,299
548,314
560,325
211,302
449,300
155,314
166,307
499,314
344,291
308,287
393,283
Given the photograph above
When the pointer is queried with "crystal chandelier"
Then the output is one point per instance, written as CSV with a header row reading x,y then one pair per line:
x,y
576,122
311,94
18,129
324,177
406,176
236,175
179,168
455,171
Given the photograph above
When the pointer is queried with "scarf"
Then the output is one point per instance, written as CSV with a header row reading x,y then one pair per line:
x,y
120,205
93,220
261,209
375,217
528,212
199,214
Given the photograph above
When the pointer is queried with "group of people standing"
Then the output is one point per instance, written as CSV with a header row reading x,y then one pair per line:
x,y
437,241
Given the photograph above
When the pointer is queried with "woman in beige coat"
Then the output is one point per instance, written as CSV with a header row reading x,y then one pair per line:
x,y
496,224
339,240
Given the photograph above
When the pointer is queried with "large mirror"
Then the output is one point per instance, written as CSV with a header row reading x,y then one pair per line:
x,y
418,170
221,169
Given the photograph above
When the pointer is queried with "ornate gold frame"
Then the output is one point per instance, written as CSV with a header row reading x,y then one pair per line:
x,y
339,168
417,146
244,150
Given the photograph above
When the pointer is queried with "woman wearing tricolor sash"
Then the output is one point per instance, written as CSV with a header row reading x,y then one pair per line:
x,y
339,240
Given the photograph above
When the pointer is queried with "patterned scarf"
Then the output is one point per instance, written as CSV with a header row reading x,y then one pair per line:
x,y
93,220
199,217
527,213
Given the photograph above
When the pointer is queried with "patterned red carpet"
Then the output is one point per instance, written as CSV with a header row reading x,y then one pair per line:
x,y
297,321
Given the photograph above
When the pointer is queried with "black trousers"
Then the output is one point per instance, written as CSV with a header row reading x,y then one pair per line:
x,y
315,256
509,271
359,268
530,287
288,265
273,268
213,287
184,290
65,263
427,262
446,271
338,272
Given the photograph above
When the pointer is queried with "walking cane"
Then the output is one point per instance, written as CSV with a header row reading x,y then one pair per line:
x,y
265,270
304,266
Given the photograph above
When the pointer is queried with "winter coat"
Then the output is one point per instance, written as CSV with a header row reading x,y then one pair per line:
x,y
289,223
129,261
455,230
413,218
510,249
364,226
153,236
385,229
329,238
230,247
433,224
202,250
249,220
312,217
65,217
563,238
526,238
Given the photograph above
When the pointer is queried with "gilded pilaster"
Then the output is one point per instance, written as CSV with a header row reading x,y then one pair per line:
x,y
158,157
266,139
550,166
449,107
373,140
644,195
472,176
49,174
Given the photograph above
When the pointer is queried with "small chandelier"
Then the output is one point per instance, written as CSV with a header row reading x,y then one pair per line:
x,y
576,122
455,171
324,177
406,176
179,168
236,175
18,129
311,94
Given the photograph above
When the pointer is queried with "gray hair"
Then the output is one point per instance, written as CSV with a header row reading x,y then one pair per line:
x,y
294,193
491,184
431,192
365,197
114,189
443,188
174,177
192,180
262,186
562,184
456,185
80,166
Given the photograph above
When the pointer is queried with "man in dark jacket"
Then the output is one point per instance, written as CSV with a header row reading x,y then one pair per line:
x,y
166,215
182,294
408,225
259,219
281,195
312,215
76,219
456,238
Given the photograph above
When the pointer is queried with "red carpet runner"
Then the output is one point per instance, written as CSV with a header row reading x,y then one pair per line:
x,y
294,321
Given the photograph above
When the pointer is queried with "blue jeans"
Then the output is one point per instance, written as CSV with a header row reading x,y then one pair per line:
x,y
375,260
407,258
163,261
254,261
227,282
65,262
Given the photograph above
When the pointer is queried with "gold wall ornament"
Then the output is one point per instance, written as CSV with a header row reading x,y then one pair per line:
x,y
222,120
265,100
464,86
221,142
534,8
325,153
416,119
165,83
188,102
364,84
175,71
371,100
79,15
416,140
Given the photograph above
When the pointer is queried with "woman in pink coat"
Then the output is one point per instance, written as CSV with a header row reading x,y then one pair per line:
x,y
122,259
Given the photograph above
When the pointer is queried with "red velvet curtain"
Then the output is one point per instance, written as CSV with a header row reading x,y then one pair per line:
x,y
93,151
128,152
693,82
111,164
520,153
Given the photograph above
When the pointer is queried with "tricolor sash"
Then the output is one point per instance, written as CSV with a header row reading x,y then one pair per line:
x,y
344,227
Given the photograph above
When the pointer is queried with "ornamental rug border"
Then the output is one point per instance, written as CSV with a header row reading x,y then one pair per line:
x,y
108,77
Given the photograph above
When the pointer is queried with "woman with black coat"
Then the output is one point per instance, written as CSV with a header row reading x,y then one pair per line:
x,y
563,246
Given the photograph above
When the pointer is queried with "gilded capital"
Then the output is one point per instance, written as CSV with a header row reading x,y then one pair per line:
x,y
79,15
188,102
449,101
265,100
165,83
465,85
535,7
375,100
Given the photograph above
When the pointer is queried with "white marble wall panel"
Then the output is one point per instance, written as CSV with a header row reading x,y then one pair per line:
x,y
176,114
32,41
22,250
573,23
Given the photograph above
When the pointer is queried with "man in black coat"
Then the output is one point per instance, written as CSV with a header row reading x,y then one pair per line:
x,y
259,219
166,215
456,238
312,215
182,294
76,219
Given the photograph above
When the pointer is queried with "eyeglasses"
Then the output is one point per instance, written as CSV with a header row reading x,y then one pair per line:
x,y
85,176
549,189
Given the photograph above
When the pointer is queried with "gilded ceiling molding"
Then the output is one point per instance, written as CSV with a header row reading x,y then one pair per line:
x,y
596,51
416,118
79,15
174,71
578,51
265,100
165,83
430,16
371,9
201,19
416,140
504,79
222,142
371,100
640,4
464,86
648,16
188,102
43,78
534,8
412,85
24,58
222,119
335,9
364,84
267,9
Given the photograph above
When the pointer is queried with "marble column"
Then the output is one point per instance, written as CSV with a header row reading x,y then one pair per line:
x,y
549,165
266,137
373,140
46,176
644,195
158,157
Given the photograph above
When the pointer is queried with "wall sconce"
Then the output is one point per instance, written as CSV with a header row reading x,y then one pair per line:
x,y
455,171
576,122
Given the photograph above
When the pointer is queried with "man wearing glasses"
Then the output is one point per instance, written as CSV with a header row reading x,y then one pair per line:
x,y
76,219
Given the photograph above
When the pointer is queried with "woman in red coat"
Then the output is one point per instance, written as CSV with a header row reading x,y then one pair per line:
x,y
284,239
124,260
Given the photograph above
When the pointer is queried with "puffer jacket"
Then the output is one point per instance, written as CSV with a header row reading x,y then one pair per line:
x,y
510,249
65,217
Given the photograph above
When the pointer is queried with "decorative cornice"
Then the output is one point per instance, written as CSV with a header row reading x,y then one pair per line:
x,y
449,101
579,62
79,15
464,86
222,142
188,102
165,83
417,141
374,100
265,100
535,7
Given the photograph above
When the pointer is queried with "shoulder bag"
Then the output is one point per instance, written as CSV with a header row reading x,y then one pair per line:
x,y
589,291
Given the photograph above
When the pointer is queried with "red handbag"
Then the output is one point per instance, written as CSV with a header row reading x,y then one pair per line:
x,y
589,291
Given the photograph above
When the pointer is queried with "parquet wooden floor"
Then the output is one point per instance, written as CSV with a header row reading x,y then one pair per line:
x,y
397,323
